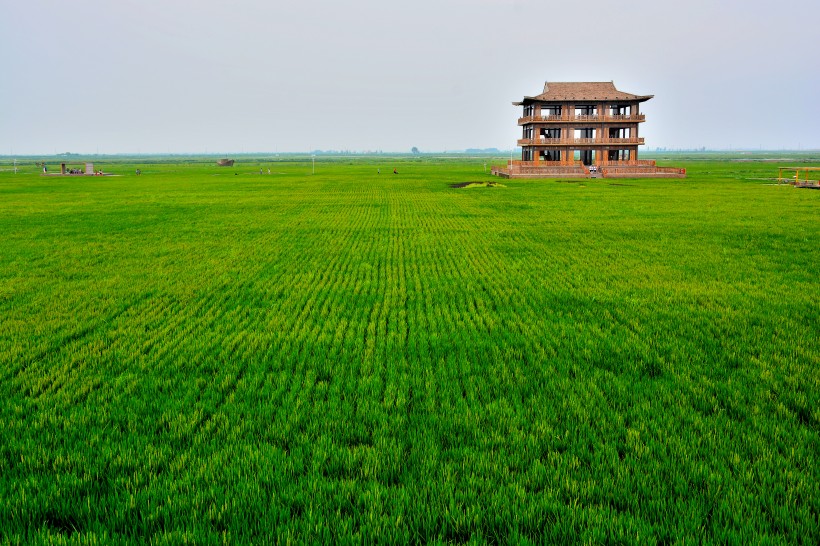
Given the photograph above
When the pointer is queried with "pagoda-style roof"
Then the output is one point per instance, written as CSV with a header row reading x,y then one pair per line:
x,y
582,91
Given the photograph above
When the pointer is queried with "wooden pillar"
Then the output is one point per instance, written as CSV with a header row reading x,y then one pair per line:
x,y
602,131
569,113
633,131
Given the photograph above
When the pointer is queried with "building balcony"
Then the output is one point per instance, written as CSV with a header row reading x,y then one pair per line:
x,y
633,141
623,118
628,163
541,163
576,163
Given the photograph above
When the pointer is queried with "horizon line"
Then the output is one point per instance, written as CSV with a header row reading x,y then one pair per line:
x,y
474,151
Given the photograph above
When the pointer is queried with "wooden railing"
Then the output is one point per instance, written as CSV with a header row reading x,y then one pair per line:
x,y
627,169
624,163
519,163
616,169
628,163
577,141
670,170
583,117
547,168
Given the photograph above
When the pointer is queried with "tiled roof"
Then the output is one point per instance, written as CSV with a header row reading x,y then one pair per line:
x,y
559,91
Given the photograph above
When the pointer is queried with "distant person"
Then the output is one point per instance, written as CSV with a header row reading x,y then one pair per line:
x,y
139,172
260,170
379,170
268,171
45,169
395,171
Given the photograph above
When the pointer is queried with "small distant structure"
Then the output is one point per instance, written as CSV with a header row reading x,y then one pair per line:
x,y
795,179
582,129
225,162
89,169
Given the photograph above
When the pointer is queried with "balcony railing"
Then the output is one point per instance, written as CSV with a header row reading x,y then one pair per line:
x,y
571,163
575,163
628,163
579,141
583,117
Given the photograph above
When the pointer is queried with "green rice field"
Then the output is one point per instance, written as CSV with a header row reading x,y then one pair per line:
x,y
209,355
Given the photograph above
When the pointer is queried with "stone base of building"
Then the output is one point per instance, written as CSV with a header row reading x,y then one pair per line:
x,y
657,172
540,172
528,170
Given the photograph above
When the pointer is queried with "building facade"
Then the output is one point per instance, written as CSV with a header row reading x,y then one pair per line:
x,y
582,129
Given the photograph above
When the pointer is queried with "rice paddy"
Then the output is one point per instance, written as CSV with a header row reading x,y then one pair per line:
x,y
204,354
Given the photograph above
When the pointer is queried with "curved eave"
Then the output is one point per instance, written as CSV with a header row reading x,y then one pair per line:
x,y
633,98
526,100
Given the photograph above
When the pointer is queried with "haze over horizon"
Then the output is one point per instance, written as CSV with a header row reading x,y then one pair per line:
x,y
160,76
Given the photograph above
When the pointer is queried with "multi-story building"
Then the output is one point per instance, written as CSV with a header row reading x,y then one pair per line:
x,y
582,129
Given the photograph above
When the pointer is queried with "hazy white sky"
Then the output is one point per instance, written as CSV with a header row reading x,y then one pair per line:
x,y
269,76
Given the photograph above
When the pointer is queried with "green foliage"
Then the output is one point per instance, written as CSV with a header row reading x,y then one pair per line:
x,y
194,355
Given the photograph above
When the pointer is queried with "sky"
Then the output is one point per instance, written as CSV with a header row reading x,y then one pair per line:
x,y
160,76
